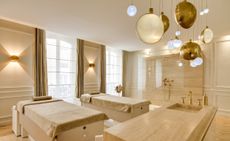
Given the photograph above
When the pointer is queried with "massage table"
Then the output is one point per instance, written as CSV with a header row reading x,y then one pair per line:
x,y
56,120
116,108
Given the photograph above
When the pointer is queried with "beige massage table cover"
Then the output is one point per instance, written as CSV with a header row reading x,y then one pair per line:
x,y
55,117
122,104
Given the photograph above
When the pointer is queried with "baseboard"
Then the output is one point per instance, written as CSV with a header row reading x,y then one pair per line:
x,y
223,112
5,120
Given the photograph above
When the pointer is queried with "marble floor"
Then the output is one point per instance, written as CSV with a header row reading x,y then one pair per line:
x,y
222,130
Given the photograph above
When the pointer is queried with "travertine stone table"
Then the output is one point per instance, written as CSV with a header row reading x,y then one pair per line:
x,y
164,124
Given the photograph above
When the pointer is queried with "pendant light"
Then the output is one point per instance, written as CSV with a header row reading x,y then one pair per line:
x,y
198,61
180,64
185,14
206,34
204,10
192,64
190,50
178,33
177,42
164,18
165,21
150,27
170,44
131,10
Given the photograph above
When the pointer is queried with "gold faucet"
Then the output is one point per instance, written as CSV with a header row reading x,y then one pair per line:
x,y
190,97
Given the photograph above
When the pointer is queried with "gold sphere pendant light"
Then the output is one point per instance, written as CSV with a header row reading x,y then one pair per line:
x,y
150,27
165,21
190,51
185,14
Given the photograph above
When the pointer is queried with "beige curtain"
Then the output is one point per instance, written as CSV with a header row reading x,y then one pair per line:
x,y
80,68
40,64
124,68
103,69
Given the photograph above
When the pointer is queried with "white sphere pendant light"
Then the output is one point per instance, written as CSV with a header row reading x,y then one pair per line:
x,y
132,10
206,10
177,42
170,44
178,33
198,61
180,64
192,64
150,28
207,35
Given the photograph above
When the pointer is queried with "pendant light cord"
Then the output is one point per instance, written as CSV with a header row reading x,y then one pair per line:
x,y
172,15
193,34
159,7
178,27
131,2
162,5
206,19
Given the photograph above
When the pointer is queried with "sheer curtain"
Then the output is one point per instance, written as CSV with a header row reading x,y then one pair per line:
x,y
113,70
61,60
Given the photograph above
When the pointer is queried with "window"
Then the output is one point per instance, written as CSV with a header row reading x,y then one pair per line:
x,y
113,70
61,65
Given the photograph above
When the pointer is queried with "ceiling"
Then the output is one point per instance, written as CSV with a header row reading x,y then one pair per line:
x,y
106,21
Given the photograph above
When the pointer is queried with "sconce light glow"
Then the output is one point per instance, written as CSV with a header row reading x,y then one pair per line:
x,y
132,10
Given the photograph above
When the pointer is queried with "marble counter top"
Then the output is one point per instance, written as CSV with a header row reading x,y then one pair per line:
x,y
163,124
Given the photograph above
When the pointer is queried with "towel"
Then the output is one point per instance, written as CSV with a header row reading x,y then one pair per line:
x,y
38,98
87,98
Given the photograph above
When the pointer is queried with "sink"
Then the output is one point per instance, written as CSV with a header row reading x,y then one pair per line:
x,y
185,108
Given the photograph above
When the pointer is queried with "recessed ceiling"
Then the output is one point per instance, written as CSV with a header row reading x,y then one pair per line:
x,y
106,21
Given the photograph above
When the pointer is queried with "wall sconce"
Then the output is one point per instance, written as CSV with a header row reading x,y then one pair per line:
x,y
91,65
14,58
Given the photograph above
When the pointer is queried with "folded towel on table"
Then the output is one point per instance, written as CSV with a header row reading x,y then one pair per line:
x,y
38,98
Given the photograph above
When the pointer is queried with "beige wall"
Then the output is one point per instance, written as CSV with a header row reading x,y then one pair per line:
x,y
92,76
216,72
217,76
16,78
185,78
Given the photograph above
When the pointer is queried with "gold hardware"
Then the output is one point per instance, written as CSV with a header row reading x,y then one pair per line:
x,y
190,97
185,14
168,83
205,100
91,65
183,100
14,58
150,10
199,101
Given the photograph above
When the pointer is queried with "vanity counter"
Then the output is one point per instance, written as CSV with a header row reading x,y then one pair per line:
x,y
164,124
